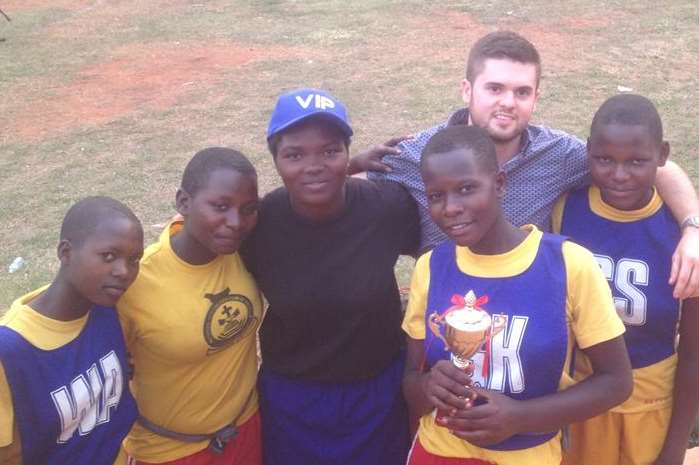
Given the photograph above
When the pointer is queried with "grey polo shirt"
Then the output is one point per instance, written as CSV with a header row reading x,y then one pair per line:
x,y
549,163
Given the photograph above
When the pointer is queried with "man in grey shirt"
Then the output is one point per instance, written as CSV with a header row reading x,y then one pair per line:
x,y
500,91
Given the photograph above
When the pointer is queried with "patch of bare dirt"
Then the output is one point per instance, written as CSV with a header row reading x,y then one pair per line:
x,y
448,35
445,35
588,22
140,77
559,50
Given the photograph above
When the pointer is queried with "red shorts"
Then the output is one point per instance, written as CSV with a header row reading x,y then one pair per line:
x,y
419,456
244,449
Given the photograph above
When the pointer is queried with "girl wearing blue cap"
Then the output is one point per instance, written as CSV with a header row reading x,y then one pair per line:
x,y
323,254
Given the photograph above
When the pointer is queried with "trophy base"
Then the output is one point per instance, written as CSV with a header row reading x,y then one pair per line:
x,y
464,364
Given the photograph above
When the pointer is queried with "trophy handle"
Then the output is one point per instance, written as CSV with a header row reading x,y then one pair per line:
x,y
499,323
434,322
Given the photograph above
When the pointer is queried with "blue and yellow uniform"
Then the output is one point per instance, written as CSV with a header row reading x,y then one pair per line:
x,y
553,297
63,387
634,250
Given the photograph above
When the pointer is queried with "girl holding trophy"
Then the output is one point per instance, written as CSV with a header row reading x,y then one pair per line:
x,y
507,305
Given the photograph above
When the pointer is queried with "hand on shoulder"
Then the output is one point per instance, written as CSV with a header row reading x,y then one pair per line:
x,y
685,265
371,159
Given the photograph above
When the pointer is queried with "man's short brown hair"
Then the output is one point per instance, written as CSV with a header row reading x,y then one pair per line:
x,y
498,45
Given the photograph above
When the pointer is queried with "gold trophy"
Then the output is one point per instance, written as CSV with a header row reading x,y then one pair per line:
x,y
466,328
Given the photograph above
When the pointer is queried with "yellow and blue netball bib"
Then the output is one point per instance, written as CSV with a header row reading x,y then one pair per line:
x,y
72,404
525,359
635,256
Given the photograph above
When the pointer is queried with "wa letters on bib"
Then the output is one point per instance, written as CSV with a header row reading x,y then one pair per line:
x,y
71,404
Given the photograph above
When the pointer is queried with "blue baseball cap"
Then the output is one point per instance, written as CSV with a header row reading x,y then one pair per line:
x,y
297,105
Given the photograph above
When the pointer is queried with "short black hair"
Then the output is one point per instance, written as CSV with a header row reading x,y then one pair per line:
x,y
499,45
206,161
629,110
83,218
471,138
273,142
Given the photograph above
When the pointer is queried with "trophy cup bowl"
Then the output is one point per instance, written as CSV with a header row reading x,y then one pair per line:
x,y
464,328
463,341
465,332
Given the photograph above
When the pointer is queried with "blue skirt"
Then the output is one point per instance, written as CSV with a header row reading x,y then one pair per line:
x,y
359,423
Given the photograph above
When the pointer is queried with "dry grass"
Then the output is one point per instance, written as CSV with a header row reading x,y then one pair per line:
x,y
114,97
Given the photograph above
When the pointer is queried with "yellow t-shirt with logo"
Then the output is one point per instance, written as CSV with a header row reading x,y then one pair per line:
x,y
653,385
191,332
590,316
42,332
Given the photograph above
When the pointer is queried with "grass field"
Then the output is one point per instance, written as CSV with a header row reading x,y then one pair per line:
x,y
113,97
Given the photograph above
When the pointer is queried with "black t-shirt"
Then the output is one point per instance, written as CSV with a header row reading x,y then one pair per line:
x,y
334,310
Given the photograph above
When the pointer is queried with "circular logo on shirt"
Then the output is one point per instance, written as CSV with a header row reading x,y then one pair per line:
x,y
229,318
